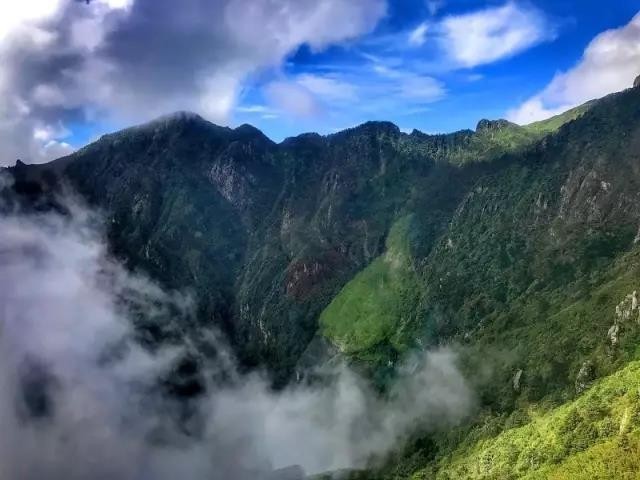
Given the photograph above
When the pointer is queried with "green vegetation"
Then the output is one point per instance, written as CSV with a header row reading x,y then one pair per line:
x,y
492,139
525,279
377,308
595,436
514,244
552,124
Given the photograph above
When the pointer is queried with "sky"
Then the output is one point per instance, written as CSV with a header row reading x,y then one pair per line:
x,y
71,70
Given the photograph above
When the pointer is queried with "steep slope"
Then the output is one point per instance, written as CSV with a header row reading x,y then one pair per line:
x,y
263,234
535,280
596,436
516,244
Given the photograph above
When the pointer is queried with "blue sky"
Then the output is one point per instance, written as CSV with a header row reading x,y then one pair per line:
x,y
72,71
487,90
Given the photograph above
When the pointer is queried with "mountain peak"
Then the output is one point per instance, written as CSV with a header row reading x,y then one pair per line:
x,y
380,125
370,127
636,82
179,120
492,125
181,116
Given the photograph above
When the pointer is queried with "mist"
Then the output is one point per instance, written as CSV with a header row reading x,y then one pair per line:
x,y
79,394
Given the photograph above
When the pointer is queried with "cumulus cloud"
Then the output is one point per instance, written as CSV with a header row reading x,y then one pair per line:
x,y
494,33
130,60
400,72
610,63
80,395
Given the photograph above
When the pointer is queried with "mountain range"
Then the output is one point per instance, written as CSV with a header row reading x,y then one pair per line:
x,y
517,246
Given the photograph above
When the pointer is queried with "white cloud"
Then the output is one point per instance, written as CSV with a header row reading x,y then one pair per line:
x,y
264,112
411,85
610,63
48,133
426,89
54,149
533,110
292,98
306,95
119,3
494,33
253,109
328,87
352,95
48,96
16,16
129,60
418,35
68,342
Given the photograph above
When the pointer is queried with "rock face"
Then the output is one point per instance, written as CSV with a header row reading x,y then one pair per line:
x,y
585,377
488,125
516,380
628,310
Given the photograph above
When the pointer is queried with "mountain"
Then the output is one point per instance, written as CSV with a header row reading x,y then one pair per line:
x,y
516,244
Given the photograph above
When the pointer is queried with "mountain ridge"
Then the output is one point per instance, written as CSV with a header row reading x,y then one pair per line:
x,y
515,244
186,117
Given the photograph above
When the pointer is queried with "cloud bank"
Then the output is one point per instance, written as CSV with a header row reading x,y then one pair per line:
x,y
80,396
610,63
67,62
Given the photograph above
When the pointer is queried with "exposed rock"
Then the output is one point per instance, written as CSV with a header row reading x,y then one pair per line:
x,y
627,309
516,380
637,237
585,376
624,422
613,333
231,183
303,277
485,125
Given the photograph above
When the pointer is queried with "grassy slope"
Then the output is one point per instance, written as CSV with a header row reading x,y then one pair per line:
x,y
554,123
518,434
595,436
493,139
552,439
378,306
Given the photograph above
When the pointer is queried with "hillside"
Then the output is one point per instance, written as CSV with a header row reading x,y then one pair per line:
x,y
516,245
